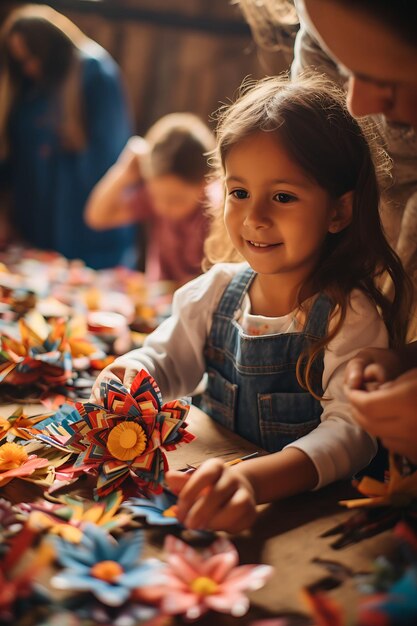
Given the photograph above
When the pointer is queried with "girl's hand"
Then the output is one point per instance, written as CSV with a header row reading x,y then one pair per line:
x,y
129,161
123,369
371,368
214,497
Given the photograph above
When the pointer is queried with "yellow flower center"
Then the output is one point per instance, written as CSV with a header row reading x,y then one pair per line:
x,y
12,455
107,570
126,441
172,511
204,586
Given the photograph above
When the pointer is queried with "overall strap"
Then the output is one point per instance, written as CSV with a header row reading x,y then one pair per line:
x,y
234,293
318,318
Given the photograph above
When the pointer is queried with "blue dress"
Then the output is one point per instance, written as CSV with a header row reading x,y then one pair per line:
x,y
50,185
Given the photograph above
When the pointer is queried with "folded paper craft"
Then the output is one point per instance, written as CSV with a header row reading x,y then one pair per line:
x,y
41,354
122,440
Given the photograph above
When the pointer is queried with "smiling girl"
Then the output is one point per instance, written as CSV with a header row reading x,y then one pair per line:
x,y
274,334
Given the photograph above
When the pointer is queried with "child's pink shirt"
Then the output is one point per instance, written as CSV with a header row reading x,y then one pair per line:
x,y
174,247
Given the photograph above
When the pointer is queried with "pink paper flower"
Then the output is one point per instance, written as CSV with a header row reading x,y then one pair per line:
x,y
196,582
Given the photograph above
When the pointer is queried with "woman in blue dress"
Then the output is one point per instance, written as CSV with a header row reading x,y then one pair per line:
x,y
63,123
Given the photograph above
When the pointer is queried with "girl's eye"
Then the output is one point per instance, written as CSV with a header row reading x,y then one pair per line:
x,y
284,198
240,194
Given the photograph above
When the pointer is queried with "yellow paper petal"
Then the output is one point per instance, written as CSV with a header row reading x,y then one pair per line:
x,y
40,521
69,533
93,514
371,487
108,515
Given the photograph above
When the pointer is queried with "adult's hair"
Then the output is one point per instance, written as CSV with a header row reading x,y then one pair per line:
x,y
310,121
400,16
272,21
179,143
54,40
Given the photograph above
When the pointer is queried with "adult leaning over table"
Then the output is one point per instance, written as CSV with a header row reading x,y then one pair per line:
x,y
63,123
376,44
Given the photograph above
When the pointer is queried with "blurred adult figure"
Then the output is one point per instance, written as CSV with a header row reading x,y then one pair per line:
x,y
63,123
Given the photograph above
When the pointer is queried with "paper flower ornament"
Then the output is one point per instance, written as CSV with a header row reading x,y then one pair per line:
x,y
68,517
84,348
107,568
19,426
158,510
324,610
124,437
396,607
399,491
391,588
16,462
10,522
211,580
386,504
20,568
41,354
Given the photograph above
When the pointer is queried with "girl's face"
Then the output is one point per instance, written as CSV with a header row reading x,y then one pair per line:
x,y
173,197
276,217
30,65
382,68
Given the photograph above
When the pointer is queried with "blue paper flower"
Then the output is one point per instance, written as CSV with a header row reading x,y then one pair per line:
x,y
158,509
107,568
397,607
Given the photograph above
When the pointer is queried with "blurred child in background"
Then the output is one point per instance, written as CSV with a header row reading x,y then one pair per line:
x,y
161,180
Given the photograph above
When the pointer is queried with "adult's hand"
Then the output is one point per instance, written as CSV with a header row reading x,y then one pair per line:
x,y
372,367
389,413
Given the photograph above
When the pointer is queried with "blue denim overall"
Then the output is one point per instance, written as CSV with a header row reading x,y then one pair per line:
x,y
252,387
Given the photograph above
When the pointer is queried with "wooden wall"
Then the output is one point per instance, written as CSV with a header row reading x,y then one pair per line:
x,y
175,55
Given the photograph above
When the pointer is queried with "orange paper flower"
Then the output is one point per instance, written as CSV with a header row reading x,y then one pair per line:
x,y
41,354
399,491
16,463
19,425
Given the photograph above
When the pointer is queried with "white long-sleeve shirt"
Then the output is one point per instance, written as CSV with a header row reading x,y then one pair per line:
x,y
174,355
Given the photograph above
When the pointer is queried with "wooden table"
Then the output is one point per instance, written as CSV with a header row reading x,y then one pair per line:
x,y
287,534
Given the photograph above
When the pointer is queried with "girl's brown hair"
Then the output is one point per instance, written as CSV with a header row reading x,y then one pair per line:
x,y
54,40
178,145
310,120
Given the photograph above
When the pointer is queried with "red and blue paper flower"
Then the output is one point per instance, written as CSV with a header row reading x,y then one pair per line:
x,y
124,437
